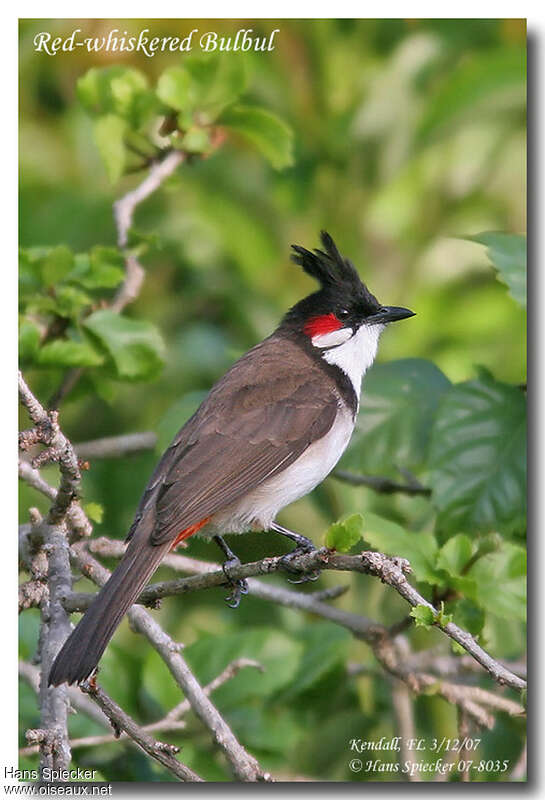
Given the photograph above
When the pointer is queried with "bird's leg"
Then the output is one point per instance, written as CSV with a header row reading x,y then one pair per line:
x,y
239,585
303,545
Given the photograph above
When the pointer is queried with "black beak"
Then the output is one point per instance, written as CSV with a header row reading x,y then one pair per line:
x,y
389,314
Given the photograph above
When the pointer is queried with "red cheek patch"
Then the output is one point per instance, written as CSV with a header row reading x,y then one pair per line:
x,y
317,326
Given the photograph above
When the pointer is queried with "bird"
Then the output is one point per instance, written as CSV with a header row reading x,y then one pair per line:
x,y
269,431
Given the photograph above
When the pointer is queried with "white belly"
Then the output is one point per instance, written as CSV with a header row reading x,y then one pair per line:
x,y
259,508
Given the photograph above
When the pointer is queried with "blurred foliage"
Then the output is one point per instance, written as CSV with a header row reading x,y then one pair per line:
x,y
406,140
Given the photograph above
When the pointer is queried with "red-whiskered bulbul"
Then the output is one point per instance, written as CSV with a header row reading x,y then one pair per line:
x,y
268,432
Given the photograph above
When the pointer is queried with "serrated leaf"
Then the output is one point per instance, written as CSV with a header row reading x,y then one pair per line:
x,y
345,533
57,264
109,132
500,582
135,346
455,554
398,402
423,616
478,458
419,548
69,353
94,511
507,252
267,132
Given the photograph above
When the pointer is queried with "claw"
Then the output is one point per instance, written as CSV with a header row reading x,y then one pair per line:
x,y
304,578
239,585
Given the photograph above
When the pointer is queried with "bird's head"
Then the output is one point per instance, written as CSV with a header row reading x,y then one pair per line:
x,y
343,307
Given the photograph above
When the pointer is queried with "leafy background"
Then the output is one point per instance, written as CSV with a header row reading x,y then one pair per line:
x,y
406,140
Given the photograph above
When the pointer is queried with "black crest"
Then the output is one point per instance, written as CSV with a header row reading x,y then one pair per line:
x,y
329,268
336,275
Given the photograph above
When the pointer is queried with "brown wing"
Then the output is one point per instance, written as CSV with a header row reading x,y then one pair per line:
x,y
247,429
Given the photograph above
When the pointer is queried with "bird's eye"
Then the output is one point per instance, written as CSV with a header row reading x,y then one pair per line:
x,y
343,313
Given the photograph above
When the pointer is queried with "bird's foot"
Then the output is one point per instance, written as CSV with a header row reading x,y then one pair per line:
x,y
287,563
303,545
239,586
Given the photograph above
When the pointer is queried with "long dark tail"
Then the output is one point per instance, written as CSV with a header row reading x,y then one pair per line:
x,y
83,649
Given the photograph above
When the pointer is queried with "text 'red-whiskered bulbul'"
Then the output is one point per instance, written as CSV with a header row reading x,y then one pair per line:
x,y
269,431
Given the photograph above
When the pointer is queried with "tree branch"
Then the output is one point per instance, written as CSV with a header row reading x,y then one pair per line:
x,y
164,753
170,722
381,484
116,446
55,628
244,766
390,570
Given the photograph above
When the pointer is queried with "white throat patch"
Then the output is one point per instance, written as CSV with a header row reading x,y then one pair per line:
x,y
356,354
333,338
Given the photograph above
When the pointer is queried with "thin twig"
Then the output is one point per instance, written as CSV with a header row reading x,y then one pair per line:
x,y
78,701
129,290
164,753
59,449
116,446
381,484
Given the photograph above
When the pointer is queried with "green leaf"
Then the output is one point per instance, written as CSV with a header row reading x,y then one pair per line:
x,y
478,458
175,88
267,730
423,616
57,265
469,616
196,140
345,533
485,84
135,346
109,132
69,353
121,91
507,252
70,302
441,617
202,85
326,647
274,650
455,554
94,511
390,538
101,268
398,402
500,582
217,80
29,340
267,132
